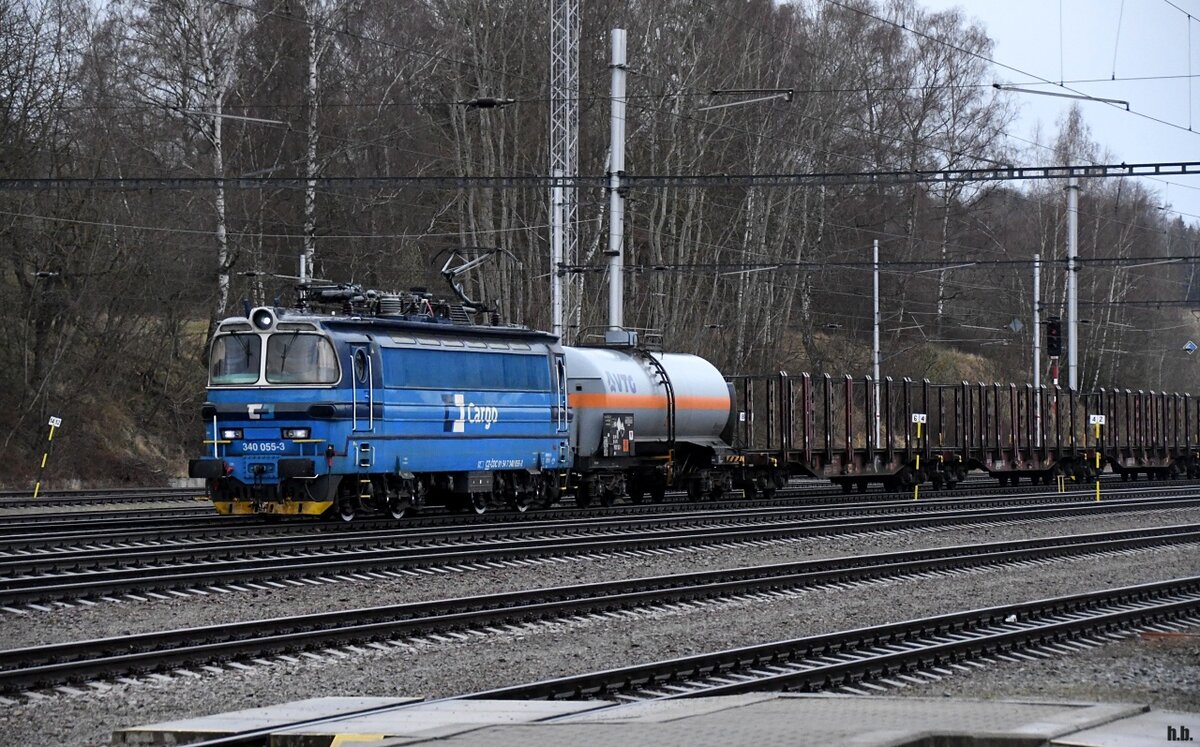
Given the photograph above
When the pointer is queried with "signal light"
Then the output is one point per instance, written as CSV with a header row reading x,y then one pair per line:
x,y
1053,338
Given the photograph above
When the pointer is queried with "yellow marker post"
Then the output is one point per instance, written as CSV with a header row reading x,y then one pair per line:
x,y
54,423
1097,421
919,419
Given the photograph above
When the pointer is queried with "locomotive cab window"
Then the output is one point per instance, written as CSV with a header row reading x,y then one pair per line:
x,y
235,359
360,365
295,358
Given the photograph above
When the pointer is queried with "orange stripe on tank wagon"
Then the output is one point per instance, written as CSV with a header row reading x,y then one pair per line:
x,y
611,401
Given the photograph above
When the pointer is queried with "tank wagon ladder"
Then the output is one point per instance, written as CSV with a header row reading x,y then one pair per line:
x,y
670,390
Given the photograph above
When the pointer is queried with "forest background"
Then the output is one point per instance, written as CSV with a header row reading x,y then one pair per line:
x,y
108,294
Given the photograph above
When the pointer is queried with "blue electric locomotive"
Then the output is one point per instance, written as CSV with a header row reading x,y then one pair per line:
x,y
313,414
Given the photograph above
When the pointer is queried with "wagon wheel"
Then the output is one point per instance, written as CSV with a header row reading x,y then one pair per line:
x,y
608,497
583,496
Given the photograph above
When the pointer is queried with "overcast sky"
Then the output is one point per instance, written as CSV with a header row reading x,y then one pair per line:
x,y
1100,39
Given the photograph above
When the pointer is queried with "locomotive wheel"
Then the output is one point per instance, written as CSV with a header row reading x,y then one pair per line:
x,y
346,508
479,502
399,506
521,502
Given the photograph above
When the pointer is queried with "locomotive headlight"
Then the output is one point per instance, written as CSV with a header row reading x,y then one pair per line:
x,y
294,433
262,319
231,434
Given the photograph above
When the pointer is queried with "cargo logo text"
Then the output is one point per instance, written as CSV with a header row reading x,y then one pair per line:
x,y
459,412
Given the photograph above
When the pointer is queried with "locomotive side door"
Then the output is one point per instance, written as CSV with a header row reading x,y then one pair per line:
x,y
561,420
362,388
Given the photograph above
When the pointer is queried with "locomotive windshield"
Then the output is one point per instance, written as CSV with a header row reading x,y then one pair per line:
x,y
235,359
294,358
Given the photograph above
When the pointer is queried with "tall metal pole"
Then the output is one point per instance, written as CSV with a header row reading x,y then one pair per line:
x,y
564,162
1073,283
616,202
1037,346
875,340
556,256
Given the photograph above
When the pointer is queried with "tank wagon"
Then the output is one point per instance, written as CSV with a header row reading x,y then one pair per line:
x,y
397,401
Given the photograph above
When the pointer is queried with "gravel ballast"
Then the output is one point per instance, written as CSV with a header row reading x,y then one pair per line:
x,y
107,619
550,650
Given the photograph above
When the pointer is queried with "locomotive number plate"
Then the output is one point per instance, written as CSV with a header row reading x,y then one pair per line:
x,y
264,447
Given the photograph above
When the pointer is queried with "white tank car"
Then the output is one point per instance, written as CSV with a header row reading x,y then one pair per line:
x,y
620,401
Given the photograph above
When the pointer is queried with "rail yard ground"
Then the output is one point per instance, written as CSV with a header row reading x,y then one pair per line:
x,y
1160,672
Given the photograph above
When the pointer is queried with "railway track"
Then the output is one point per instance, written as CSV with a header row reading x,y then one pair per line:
x,y
30,533
25,498
221,566
56,664
805,493
890,653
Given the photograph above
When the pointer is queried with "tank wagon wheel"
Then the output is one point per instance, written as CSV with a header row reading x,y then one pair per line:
x,y
583,496
658,493
636,490
550,491
848,486
861,486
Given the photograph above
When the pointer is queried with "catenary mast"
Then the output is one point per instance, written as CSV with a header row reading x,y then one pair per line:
x,y
565,289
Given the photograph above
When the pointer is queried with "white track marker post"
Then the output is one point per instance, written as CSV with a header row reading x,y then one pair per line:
x,y
919,418
1097,421
55,422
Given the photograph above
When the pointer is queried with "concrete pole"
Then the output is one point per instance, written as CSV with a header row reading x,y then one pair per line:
x,y
1073,283
557,325
875,340
616,202
1037,346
